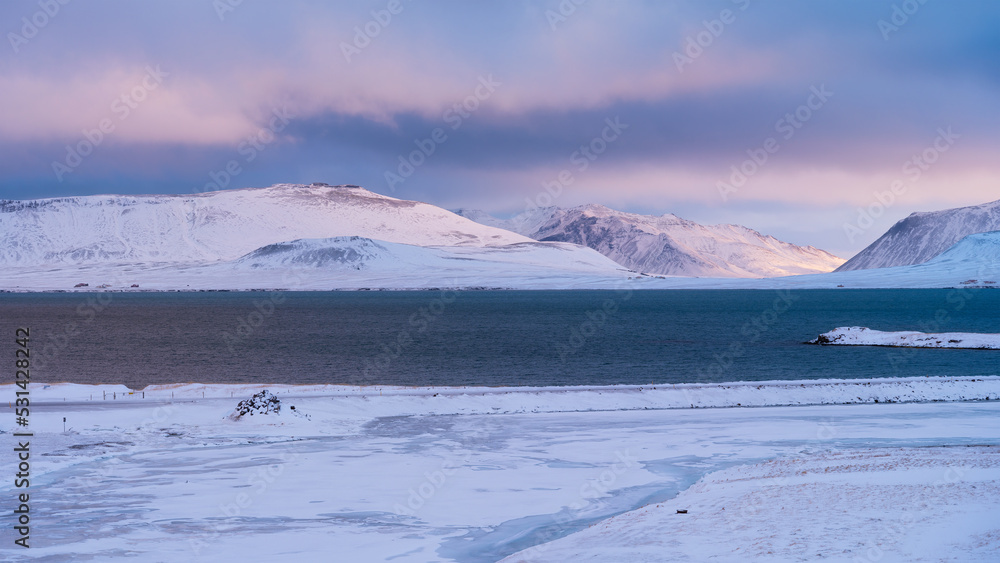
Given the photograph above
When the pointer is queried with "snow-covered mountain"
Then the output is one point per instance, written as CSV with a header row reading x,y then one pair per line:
x,y
286,236
922,236
344,237
667,244
344,263
354,262
359,253
528,223
973,262
220,225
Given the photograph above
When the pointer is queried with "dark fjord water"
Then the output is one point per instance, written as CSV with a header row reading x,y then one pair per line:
x,y
488,337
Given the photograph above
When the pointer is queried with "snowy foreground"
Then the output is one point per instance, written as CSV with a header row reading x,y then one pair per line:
x,y
866,504
863,336
851,470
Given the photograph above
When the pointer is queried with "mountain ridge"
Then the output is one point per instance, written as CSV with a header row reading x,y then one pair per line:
x,y
288,235
921,236
221,225
321,237
666,244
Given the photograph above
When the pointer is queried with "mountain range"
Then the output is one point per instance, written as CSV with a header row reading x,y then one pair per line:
x,y
321,237
666,244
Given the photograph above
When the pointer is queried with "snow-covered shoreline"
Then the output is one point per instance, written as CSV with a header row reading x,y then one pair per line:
x,y
864,336
465,474
388,400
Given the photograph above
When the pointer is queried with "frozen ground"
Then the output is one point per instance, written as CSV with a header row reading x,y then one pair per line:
x,y
863,336
866,504
472,474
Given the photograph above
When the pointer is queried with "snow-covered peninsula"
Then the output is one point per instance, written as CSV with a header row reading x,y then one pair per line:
x,y
863,336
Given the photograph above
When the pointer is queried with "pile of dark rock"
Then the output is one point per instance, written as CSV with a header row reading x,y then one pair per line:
x,y
264,402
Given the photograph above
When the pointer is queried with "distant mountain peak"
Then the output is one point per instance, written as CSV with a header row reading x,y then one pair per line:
x,y
666,244
923,235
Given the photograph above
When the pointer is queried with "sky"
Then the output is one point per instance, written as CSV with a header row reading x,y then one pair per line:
x,y
819,123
